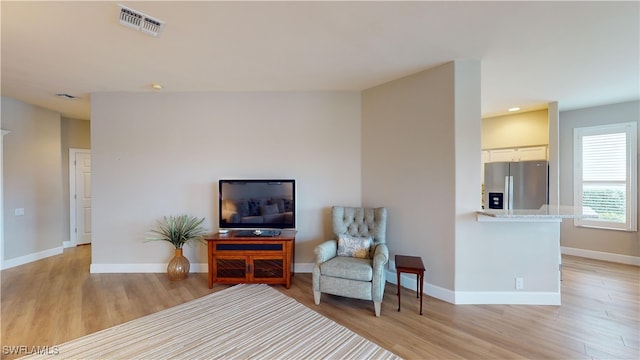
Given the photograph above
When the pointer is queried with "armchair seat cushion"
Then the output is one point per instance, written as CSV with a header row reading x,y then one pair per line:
x,y
348,268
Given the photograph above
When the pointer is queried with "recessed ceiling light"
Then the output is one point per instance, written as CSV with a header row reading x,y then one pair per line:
x,y
156,86
514,109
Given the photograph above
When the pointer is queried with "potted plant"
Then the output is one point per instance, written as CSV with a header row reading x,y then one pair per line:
x,y
179,230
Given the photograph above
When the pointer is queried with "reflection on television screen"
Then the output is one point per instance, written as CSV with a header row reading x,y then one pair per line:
x,y
257,204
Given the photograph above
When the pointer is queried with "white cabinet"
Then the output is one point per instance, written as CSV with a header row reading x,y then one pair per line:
x,y
486,156
532,153
502,155
516,154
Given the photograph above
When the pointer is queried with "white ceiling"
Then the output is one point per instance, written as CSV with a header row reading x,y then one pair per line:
x,y
580,54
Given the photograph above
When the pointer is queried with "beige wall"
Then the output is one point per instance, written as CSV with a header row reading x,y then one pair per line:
x,y
159,154
596,240
410,145
521,129
408,165
421,159
1,191
32,180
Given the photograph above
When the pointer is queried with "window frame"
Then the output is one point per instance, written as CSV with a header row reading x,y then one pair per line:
x,y
630,129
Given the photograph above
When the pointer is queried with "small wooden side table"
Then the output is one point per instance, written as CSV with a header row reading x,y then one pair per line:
x,y
411,265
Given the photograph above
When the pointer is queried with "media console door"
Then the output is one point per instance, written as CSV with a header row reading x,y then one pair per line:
x,y
235,260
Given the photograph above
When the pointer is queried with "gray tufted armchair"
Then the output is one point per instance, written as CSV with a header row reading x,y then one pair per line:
x,y
360,278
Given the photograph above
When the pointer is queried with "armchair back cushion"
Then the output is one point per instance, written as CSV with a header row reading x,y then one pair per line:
x,y
362,223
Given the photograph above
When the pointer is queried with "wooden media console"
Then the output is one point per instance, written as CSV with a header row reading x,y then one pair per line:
x,y
236,258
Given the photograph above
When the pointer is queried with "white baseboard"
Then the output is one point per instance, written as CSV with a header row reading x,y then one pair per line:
x,y
303,267
477,297
440,293
142,268
409,281
21,260
507,297
599,255
160,268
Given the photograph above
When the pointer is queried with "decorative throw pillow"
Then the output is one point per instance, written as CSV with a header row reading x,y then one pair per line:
x,y
352,246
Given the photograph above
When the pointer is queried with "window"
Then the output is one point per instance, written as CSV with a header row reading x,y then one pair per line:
x,y
605,175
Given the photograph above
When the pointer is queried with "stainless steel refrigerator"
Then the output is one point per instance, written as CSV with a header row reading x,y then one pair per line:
x,y
516,185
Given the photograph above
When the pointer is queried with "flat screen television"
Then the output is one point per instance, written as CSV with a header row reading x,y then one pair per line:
x,y
257,204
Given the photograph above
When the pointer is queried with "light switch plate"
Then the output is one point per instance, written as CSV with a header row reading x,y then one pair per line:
x,y
19,212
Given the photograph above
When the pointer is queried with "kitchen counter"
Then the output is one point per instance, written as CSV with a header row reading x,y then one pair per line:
x,y
553,213
521,255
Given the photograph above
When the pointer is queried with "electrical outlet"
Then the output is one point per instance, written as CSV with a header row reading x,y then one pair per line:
x,y
519,283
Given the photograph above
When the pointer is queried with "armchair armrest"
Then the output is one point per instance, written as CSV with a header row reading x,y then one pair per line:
x,y
326,251
380,257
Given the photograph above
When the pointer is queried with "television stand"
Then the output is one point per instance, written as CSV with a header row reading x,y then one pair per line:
x,y
249,233
236,259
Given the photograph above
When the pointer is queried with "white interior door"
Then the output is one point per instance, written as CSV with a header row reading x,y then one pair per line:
x,y
83,197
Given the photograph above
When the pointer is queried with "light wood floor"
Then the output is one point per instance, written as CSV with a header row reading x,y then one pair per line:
x,y
56,299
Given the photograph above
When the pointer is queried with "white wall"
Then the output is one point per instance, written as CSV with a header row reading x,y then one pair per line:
x,y
32,180
157,154
593,242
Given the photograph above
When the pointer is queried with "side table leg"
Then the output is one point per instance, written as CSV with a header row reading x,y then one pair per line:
x,y
417,285
421,291
398,273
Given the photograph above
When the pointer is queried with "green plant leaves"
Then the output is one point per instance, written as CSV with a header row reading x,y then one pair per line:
x,y
179,230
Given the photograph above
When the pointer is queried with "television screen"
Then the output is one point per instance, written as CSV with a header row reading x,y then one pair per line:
x,y
257,204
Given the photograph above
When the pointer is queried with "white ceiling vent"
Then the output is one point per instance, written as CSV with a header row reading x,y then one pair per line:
x,y
140,21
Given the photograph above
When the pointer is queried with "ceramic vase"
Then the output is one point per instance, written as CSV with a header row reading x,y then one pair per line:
x,y
178,268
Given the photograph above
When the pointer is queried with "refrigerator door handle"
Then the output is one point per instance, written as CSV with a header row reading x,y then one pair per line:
x,y
507,192
510,193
